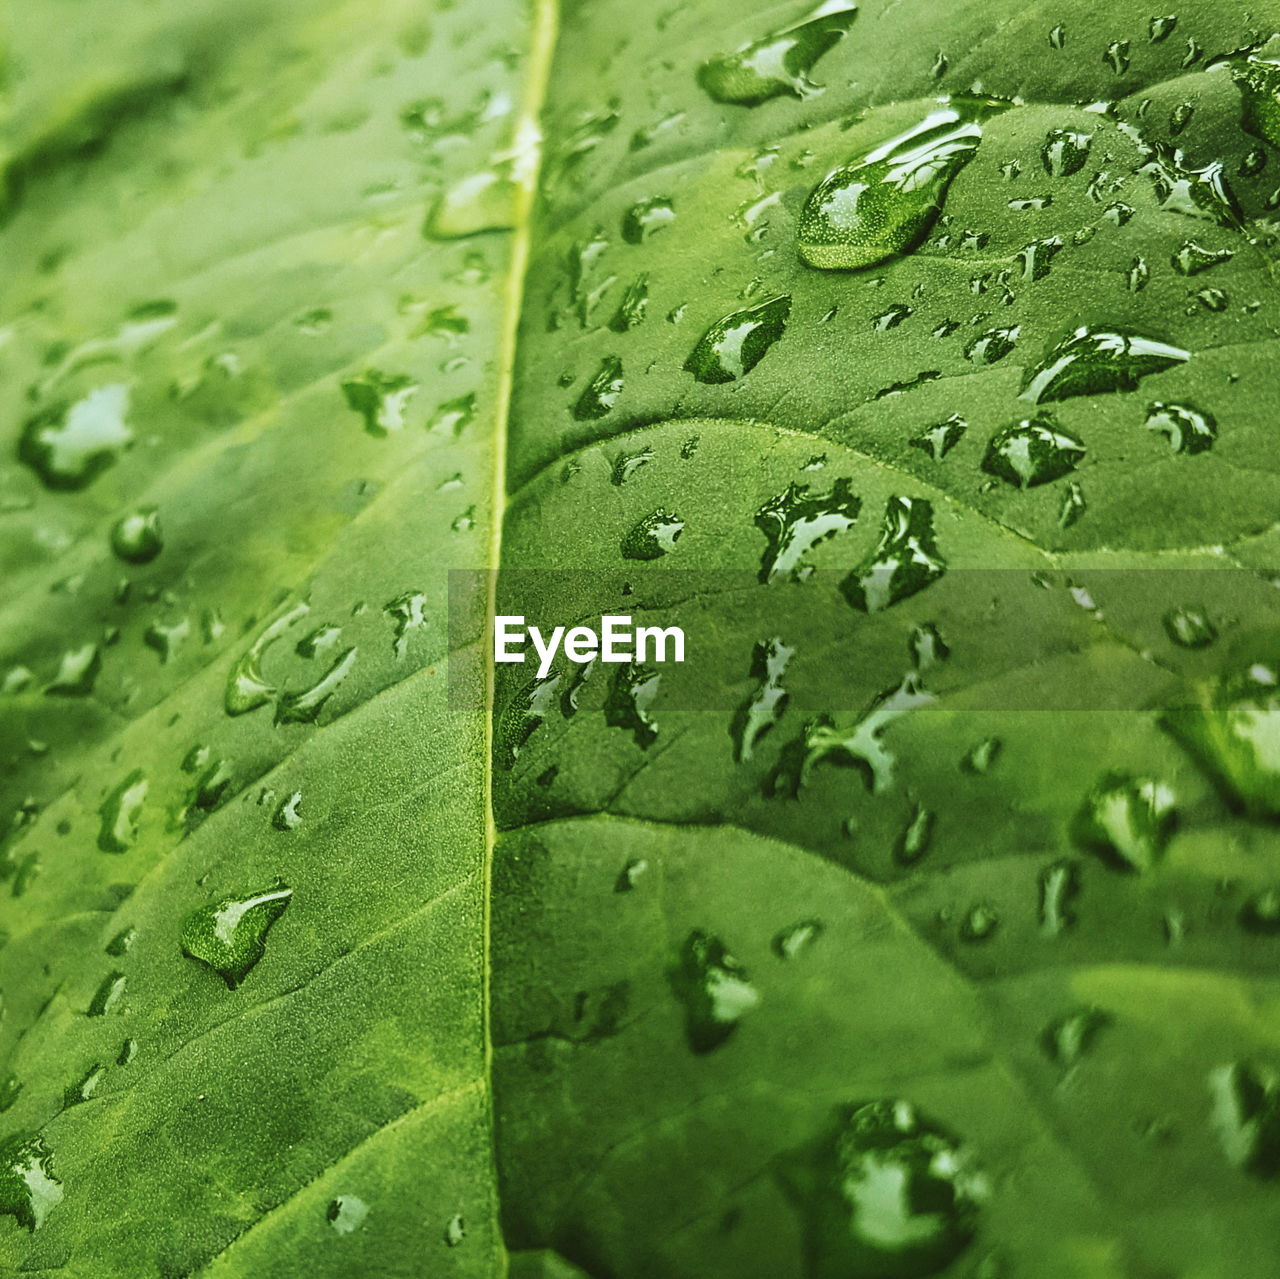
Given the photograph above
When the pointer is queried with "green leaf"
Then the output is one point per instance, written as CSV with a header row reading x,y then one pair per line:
x,y
921,922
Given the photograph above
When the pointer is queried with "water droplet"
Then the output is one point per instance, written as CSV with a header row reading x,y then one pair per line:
x,y
1067,1039
891,318
1073,504
1037,257
77,672
631,875
121,812
1117,56
122,942
1191,258
653,537
1261,913
9,1090
302,707
793,941
380,398
927,647
1059,885
1196,193
136,538
230,935
1234,732
885,1192
482,201
981,758
795,522
247,687
1246,1114
1190,627
767,704
1058,37
454,1231
1033,452
346,1213
938,440
734,345
29,1190
630,698
1212,299
1065,152
287,815
646,217
109,993
979,923
992,345
631,310
1161,28
454,416
1188,430
85,1087
779,62
1258,80
1139,275
408,616
1127,820
601,393
905,560
625,465
523,715
1180,117
916,836
714,989
885,202
1253,163
167,639
70,445
1094,361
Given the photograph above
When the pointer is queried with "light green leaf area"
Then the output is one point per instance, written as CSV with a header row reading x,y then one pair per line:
x,y
923,922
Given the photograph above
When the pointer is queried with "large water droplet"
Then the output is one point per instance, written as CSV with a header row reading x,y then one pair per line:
x,y
230,935
780,62
795,522
905,560
247,687
714,989
303,706
886,1194
1192,258
1033,452
1094,361
1127,820
29,1191
884,203
69,445
734,345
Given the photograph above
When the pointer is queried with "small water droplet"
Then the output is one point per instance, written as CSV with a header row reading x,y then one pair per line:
x,y
1246,1114
766,705
793,941
1190,626
1032,452
795,522
646,217
408,616
601,393
287,815
109,993
304,706
1197,193
230,934
346,1213
1067,1039
904,562
380,398
454,416
1261,913
714,989
629,702
993,345
653,537
455,1231
1065,152
938,440
1117,56
523,715
1059,885
136,537
121,812
979,923
1188,430
29,1190
1161,28
1127,820
631,309
916,837
1258,80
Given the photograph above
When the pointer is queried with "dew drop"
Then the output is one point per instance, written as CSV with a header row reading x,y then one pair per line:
x,y
601,393
629,702
380,398
734,345
766,705
136,538
346,1213
653,537
120,813
1065,152
1127,820
885,202
796,939
646,217
1095,361
1068,1038
714,989
230,935
1032,452
1188,430
1190,626
1246,1114
904,562
29,1190
938,440
796,521
780,62
70,445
